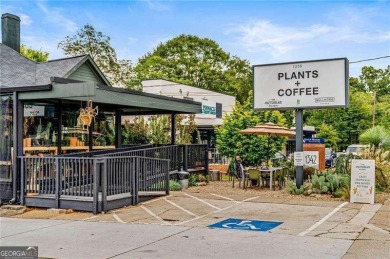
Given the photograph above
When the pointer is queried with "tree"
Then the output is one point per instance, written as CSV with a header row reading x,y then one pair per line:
x,y
369,104
87,41
376,137
329,134
160,128
34,55
376,80
348,123
252,149
199,62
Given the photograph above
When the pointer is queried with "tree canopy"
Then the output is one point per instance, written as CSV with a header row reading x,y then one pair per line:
x,y
198,62
88,41
253,149
34,55
350,122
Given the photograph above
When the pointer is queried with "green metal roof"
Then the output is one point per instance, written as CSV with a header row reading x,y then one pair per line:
x,y
131,102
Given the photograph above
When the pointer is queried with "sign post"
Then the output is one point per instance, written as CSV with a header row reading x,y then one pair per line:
x,y
301,85
299,144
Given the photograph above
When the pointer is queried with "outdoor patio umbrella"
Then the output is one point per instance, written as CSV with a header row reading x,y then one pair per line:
x,y
268,129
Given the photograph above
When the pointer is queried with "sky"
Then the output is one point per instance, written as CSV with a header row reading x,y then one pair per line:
x,y
262,32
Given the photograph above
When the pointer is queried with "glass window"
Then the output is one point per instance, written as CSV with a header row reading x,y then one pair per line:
x,y
40,129
6,128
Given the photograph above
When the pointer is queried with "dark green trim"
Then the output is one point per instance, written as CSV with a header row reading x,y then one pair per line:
x,y
31,88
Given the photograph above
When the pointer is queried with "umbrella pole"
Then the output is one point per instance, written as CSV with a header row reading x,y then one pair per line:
x,y
269,135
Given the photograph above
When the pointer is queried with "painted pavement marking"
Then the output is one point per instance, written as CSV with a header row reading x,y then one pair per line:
x,y
118,218
153,200
205,202
154,215
89,218
245,224
179,207
223,197
249,199
375,228
322,220
203,216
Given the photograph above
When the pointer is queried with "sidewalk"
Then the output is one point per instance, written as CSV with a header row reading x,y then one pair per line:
x,y
374,241
176,226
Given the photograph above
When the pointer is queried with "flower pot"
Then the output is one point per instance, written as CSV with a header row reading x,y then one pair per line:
x,y
27,142
85,120
73,142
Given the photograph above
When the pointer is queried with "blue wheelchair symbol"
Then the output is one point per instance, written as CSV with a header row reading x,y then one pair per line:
x,y
244,224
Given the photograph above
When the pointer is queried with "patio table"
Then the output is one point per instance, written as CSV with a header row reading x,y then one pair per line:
x,y
271,171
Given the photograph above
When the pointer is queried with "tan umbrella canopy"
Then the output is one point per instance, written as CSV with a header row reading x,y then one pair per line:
x,y
268,129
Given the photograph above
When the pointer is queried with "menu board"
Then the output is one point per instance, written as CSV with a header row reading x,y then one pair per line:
x,y
362,181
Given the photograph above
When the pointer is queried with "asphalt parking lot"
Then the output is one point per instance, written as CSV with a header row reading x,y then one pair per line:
x,y
205,209
195,220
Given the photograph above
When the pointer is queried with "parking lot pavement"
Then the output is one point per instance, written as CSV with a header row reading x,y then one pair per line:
x,y
204,209
309,225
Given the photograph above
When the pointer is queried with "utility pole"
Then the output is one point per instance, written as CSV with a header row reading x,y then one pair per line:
x,y
374,110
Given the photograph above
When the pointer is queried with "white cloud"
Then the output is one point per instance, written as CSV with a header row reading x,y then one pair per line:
x,y
354,27
55,16
131,40
25,19
47,44
155,42
157,6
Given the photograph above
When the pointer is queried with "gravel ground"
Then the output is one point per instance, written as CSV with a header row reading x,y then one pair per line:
x,y
225,188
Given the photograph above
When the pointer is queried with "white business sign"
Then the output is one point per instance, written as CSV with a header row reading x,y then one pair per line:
x,y
298,158
209,110
362,181
311,159
305,84
34,111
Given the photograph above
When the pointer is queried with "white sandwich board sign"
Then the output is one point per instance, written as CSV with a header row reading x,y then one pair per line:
x,y
362,181
301,85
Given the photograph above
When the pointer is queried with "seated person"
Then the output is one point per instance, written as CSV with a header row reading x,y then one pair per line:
x,y
238,168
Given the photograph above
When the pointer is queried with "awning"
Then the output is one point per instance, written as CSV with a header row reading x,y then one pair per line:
x,y
131,102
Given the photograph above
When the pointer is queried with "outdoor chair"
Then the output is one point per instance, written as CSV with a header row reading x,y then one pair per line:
x,y
253,174
285,175
278,176
239,181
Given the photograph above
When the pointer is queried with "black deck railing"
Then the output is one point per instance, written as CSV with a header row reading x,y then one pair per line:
x,y
91,184
97,182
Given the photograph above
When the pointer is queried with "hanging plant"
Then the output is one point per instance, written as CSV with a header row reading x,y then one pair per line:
x,y
87,114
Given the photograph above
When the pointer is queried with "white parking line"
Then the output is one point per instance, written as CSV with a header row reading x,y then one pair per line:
x,y
249,199
151,201
380,230
201,217
223,197
118,218
181,208
205,202
90,218
322,220
154,215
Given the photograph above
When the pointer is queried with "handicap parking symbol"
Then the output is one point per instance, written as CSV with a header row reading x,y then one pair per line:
x,y
246,224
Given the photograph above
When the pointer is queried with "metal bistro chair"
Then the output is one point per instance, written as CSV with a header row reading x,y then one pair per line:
x,y
285,173
253,174
278,176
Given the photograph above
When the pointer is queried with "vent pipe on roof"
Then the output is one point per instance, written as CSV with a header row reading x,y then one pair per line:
x,y
10,31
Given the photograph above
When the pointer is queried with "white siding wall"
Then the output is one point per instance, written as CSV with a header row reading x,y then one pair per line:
x,y
177,90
